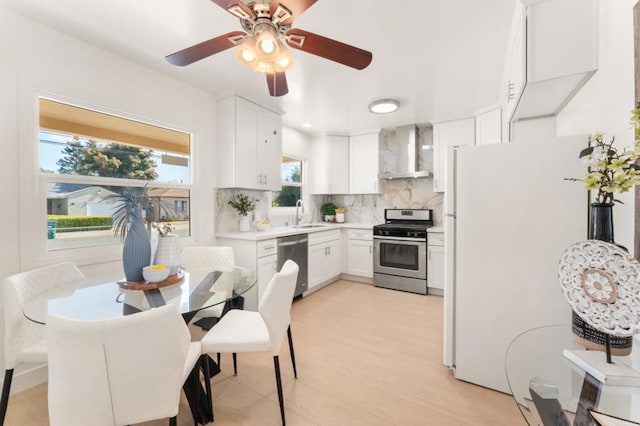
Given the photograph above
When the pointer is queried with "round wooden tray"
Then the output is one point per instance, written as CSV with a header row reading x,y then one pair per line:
x,y
143,285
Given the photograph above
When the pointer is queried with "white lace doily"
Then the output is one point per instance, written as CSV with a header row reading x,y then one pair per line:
x,y
601,282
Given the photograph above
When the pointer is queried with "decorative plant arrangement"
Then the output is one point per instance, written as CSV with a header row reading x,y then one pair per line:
x,y
128,203
243,203
164,229
168,249
328,210
611,171
129,224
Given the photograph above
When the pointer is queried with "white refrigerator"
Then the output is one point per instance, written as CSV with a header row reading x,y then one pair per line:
x,y
509,215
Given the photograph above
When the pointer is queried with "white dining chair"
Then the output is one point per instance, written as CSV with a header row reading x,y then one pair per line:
x,y
205,259
121,371
24,340
262,331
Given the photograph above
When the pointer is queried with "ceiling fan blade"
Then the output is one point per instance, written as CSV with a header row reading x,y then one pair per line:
x,y
296,7
328,48
236,8
206,48
277,83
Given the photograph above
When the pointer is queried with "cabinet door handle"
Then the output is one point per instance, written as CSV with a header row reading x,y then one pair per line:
x,y
510,92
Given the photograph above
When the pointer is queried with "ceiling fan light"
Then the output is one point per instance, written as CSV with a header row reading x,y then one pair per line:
x,y
384,106
246,54
267,46
285,61
264,67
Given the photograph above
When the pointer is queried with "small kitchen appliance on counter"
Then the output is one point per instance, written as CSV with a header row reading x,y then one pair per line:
x,y
400,250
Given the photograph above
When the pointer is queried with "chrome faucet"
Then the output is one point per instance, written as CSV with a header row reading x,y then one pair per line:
x,y
299,204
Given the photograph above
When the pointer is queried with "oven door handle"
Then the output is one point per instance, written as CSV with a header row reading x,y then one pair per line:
x,y
417,240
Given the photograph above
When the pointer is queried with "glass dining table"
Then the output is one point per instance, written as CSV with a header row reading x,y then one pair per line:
x,y
550,389
191,291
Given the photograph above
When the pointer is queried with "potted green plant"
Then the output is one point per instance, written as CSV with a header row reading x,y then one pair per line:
x,y
244,204
128,223
328,210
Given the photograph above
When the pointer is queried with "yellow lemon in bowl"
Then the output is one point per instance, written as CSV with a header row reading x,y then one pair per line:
x,y
155,273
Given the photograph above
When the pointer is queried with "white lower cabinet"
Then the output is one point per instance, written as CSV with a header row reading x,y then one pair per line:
x,y
435,263
259,256
360,252
267,267
324,257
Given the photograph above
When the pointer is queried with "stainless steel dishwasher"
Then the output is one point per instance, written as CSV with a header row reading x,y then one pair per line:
x,y
294,247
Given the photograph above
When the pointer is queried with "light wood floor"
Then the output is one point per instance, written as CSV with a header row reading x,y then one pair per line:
x,y
365,356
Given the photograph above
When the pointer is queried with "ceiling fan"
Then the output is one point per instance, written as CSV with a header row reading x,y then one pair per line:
x,y
266,24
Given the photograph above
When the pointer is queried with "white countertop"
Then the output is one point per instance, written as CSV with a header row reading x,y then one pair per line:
x,y
283,231
438,228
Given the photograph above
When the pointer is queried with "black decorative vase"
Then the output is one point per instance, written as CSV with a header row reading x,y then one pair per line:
x,y
600,228
601,222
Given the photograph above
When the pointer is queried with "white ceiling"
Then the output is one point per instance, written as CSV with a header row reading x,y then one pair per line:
x,y
441,59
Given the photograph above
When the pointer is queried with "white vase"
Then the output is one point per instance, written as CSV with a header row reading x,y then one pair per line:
x,y
243,224
168,253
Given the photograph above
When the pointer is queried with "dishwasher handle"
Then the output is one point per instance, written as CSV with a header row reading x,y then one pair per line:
x,y
291,243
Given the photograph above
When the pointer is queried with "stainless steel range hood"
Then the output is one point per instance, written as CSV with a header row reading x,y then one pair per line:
x,y
402,156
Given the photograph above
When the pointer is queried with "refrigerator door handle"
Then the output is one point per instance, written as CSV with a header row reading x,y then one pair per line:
x,y
453,215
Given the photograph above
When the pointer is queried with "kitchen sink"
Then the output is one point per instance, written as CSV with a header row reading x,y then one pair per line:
x,y
309,225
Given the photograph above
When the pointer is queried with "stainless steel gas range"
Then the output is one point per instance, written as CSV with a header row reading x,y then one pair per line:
x,y
400,250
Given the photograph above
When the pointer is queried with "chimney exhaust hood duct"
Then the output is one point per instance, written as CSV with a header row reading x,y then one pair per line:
x,y
402,156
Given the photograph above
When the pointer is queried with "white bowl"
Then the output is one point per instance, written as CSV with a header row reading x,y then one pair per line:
x,y
155,273
261,226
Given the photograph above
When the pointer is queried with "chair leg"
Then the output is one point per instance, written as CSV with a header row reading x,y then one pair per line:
x,y
195,373
173,421
207,384
293,356
218,355
235,364
276,365
6,387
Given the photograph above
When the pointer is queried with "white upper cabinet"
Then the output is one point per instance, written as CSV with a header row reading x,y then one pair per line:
x,y
445,135
554,53
330,164
489,127
249,145
363,164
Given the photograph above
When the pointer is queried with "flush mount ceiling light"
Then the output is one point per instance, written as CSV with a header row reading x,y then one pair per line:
x,y
384,106
262,46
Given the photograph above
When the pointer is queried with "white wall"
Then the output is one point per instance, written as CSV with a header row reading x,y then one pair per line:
x,y
39,61
605,102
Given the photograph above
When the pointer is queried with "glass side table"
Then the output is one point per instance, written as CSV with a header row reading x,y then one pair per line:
x,y
551,390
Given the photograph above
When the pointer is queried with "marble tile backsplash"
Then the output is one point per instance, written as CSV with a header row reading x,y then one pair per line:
x,y
399,193
366,208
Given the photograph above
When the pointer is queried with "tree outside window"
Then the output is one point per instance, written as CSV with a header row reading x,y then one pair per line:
x,y
291,172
